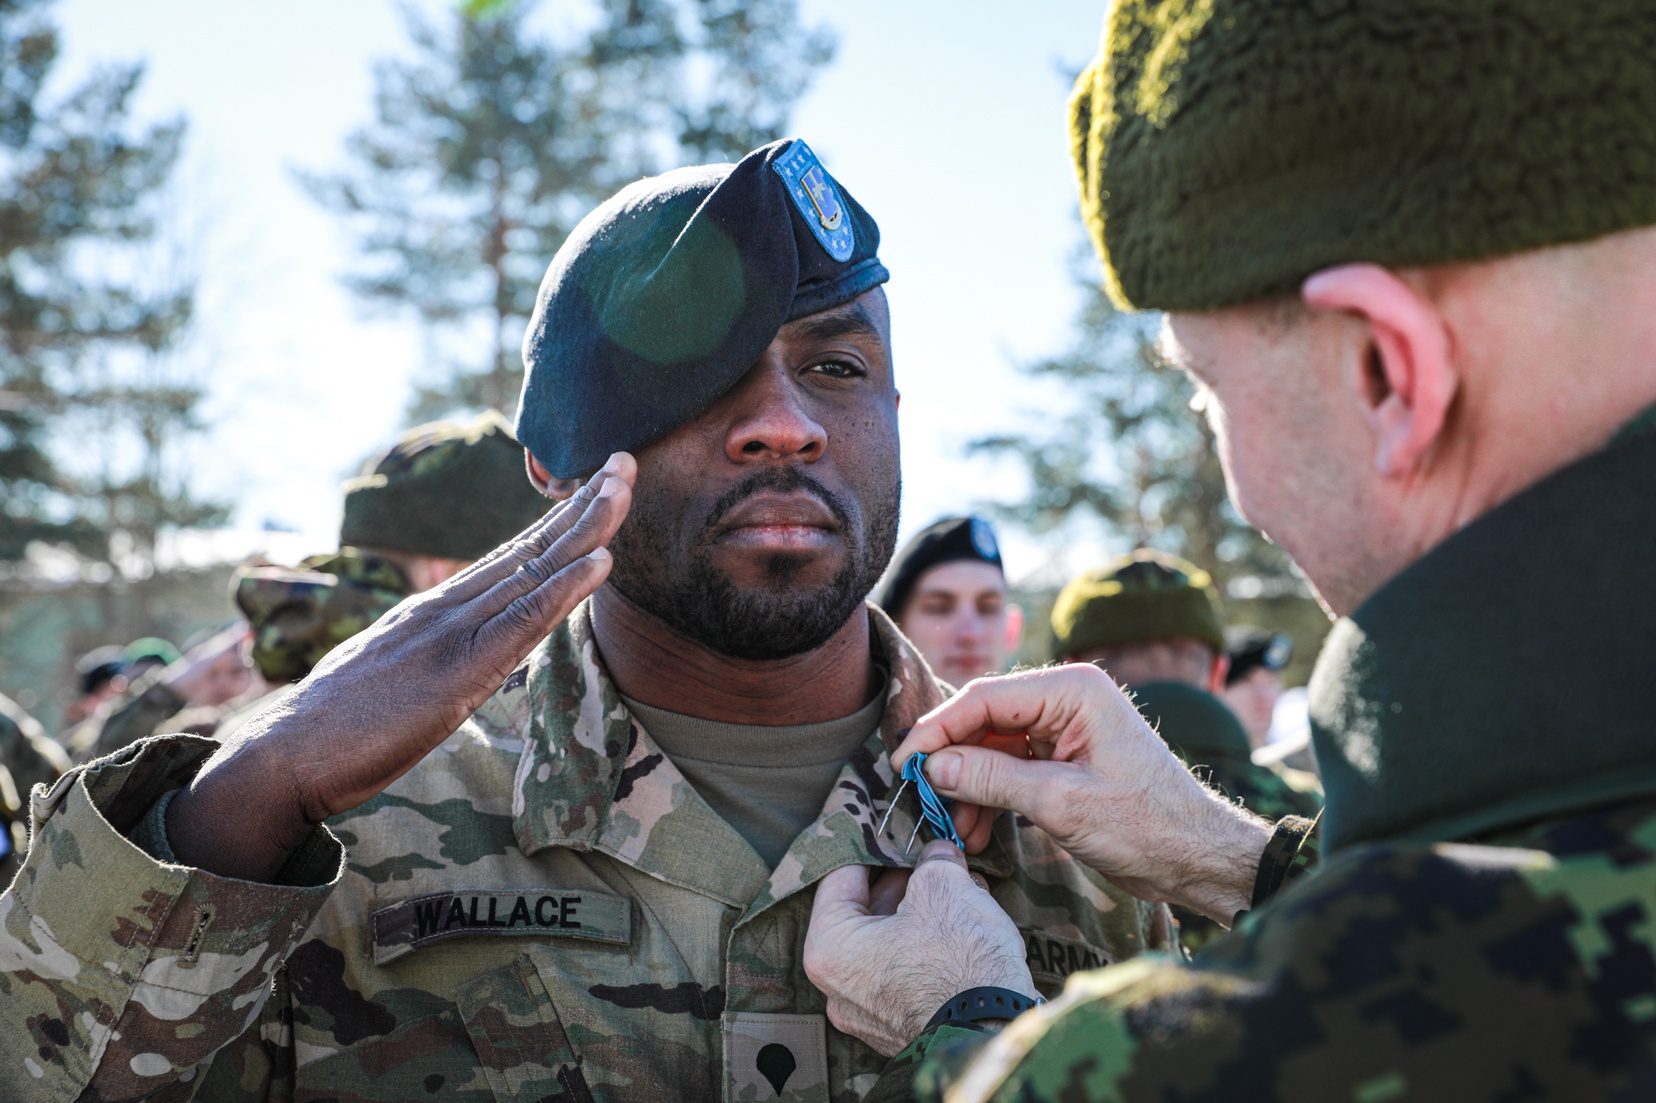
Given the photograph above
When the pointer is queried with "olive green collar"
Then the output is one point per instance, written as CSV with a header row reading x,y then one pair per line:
x,y
1504,677
1195,724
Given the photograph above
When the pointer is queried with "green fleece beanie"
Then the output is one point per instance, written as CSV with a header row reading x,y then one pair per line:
x,y
453,490
1227,149
1148,595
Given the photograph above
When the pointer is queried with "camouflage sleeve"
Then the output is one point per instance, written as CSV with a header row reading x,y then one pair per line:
x,y
149,704
936,1056
121,975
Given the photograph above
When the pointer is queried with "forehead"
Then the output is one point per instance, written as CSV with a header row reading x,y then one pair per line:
x,y
864,318
962,578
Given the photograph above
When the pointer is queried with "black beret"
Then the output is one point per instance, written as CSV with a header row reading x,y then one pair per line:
x,y
666,294
1253,648
946,541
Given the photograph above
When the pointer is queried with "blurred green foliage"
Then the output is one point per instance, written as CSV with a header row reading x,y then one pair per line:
x,y
90,401
491,143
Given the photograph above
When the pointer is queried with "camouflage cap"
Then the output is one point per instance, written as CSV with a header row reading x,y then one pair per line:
x,y
300,614
449,489
1148,595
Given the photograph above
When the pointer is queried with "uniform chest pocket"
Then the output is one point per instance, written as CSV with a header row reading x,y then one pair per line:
x,y
592,1025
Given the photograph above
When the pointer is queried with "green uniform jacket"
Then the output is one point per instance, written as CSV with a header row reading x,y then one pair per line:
x,y
1483,924
543,909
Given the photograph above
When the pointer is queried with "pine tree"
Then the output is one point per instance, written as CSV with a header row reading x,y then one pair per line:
x,y
1132,454
494,141
85,331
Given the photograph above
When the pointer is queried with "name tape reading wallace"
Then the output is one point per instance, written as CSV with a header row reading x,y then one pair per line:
x,y
566,913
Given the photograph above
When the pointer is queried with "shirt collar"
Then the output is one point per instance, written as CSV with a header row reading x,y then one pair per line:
x,y
591,778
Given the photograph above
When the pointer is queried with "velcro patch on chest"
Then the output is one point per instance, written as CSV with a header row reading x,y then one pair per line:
x,y
558,913
781,1057
1052,958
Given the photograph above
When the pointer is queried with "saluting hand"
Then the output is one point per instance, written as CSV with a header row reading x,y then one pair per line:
x,y
1095,777
383,700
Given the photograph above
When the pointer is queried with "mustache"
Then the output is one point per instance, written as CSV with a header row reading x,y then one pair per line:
x,y
783,480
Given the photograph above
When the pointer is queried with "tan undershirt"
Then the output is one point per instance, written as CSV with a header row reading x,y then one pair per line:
x,y
769,783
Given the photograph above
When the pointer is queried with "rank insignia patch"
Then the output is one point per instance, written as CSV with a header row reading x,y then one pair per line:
x,y
818,199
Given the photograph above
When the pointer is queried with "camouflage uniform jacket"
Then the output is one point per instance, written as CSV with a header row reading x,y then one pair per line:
x,y
543,909
1482,925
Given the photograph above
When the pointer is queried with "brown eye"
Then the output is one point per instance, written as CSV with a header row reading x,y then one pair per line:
x,y
839,369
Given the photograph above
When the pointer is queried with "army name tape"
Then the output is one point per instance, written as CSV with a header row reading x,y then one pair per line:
x,y
565,913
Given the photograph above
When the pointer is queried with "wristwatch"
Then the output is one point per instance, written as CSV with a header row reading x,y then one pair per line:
x,y
976,1004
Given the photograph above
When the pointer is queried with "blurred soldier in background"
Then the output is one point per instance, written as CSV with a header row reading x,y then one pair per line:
x,y
946,589
1253,678
27,753
1151,621
441,496
208,676
99,676
1280,736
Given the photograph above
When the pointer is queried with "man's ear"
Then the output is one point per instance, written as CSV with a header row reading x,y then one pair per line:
x,y
1014,627
557,489
1217,672
1406,380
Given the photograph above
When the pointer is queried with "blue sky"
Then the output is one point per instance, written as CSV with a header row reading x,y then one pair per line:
x,y
946,119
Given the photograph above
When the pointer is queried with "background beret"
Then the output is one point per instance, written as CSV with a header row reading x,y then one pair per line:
x,y
666,294
1148,595
450,489
1252,649
1229,149
948,540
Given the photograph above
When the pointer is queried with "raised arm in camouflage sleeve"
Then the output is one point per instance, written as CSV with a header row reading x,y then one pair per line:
x,y
120,974
32,756
132,716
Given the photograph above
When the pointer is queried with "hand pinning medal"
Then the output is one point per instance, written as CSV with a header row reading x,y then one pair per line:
x,y
934,810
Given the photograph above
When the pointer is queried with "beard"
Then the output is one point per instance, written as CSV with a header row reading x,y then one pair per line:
x,y
782,617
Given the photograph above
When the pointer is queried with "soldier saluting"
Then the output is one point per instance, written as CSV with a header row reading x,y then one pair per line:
x,y
598,886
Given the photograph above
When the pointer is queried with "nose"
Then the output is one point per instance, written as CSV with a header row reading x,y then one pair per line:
x,y
969,628
771,421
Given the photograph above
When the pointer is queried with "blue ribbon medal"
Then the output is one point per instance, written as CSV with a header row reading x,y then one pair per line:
x,y
934,810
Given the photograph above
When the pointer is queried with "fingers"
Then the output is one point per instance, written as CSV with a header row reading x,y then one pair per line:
x,y
888,892
541,586
982,777
1039,704
842,895
940,850
543,533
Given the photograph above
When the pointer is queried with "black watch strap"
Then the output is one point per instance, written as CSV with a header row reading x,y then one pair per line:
x,y
976,1004
1286,856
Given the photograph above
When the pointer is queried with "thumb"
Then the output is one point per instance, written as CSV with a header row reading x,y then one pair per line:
x,y
941,850
842,894
981,776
